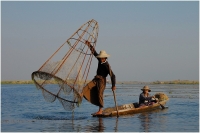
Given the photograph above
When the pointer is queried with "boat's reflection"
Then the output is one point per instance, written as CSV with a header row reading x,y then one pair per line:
x,y
150,119
145,121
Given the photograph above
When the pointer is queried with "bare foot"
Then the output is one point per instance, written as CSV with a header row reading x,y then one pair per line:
x,y
99,113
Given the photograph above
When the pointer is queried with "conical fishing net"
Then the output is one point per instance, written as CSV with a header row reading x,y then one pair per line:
x,y
65,73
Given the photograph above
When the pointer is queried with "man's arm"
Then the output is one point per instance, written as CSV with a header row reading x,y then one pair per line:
x,y
112,77
91,48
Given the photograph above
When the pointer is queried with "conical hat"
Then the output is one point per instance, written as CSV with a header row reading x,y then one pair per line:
x,y
146,88
102,54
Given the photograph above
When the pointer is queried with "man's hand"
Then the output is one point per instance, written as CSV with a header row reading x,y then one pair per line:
x,y
87,43
154,98
113,88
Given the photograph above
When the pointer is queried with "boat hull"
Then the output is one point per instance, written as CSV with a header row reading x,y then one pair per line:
x,y
133,108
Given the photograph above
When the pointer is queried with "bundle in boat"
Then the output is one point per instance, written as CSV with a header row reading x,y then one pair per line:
x,y
68,68
161,97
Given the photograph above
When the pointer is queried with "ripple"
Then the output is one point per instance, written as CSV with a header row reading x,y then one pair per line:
x,y
54,116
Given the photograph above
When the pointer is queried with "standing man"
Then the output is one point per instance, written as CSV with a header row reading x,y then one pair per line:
x,y
93,91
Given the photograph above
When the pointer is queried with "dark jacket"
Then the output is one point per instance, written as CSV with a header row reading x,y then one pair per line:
x,y
142,98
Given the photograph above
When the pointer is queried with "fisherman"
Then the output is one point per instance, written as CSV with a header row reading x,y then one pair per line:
x,y
93,91
145,99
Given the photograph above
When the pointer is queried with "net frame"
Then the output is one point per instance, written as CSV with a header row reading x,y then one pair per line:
x,y
68,91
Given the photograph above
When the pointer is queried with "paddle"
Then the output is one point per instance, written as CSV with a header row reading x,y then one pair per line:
x,y
162,106
115,103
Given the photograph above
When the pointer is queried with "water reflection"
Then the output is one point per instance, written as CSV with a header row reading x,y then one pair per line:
x,y
149,120
147,123
145,119
116,125
101,125
98,125
69,126
61,123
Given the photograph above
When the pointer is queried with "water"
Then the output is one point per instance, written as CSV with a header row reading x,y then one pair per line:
x,y
23,109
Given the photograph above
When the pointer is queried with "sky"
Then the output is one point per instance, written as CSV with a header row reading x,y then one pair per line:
x,y
147,40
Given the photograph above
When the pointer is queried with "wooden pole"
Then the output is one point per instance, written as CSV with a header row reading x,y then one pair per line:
x,y
115,103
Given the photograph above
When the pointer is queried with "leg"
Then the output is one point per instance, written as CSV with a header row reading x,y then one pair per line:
x,y
101,88
100,110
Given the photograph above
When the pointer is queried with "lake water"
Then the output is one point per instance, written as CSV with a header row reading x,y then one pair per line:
x,y
23,109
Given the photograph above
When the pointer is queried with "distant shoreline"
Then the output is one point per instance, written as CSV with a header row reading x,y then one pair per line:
x,y
118,82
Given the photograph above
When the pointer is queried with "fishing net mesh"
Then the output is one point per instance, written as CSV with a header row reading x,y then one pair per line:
x,y
65,73
48,96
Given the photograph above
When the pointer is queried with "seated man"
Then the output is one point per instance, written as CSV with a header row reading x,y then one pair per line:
x,y
145,99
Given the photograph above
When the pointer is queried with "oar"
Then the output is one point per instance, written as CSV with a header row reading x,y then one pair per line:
x,y
116,104
162,106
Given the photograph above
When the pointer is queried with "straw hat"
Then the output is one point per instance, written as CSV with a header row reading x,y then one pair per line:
x,y
102,54
146,88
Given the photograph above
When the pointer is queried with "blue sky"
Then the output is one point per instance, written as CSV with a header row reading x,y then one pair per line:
x,y
147,41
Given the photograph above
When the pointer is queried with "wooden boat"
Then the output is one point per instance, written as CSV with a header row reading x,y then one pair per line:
x,y
133,108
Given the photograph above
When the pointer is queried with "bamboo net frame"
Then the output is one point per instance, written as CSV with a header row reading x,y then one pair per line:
x,y
68,68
